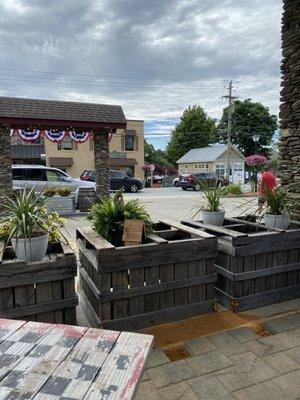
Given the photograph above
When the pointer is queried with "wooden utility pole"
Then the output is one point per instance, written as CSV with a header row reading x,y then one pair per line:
x,y
230,98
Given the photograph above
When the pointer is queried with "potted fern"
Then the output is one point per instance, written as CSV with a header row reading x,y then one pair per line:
x,y
108,217
279,206
25,219
212,214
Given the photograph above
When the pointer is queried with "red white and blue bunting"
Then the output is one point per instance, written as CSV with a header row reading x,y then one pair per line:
x,y
79,137
55,135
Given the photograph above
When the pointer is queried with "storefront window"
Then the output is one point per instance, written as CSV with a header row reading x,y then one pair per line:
x,y
129,143
65,144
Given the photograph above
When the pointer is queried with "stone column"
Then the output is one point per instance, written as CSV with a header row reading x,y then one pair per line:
x,y
5,164
101,154
289,146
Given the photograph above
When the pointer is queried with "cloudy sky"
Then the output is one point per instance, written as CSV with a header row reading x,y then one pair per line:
x,y
154,57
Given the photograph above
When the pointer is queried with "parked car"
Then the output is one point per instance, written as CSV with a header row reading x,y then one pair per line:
x,y
178,178
39,177
197,179
118,180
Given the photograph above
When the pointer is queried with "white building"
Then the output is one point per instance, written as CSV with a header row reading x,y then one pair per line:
x,y
214,159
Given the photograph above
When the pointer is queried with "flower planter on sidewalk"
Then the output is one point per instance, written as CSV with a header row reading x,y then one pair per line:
x,y
42,291
255,266
168,278
60,204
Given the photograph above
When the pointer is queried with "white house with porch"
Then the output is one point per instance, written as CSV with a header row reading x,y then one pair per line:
x,y
214,159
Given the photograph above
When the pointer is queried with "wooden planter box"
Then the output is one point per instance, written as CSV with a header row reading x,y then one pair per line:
x,y
60,204
42,291
167,279
255,266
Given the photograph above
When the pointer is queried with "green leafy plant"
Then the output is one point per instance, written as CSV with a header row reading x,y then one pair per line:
x,y
23,215
278,201
108,217
49,192
234,188
64,192
212,196
53,223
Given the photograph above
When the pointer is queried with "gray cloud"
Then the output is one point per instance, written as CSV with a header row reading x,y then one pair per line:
x,y
153,57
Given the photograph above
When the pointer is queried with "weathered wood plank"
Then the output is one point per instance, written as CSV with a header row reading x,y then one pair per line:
x,y
197,269
261,264
248,285
151,255
213,229
136,322
44,295
136,303
258,299
120,308
27,311
152,299
122,369
166,275
187,229
91,238
157,239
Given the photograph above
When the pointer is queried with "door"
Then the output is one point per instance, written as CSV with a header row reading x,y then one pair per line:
x,y
117,180
35,177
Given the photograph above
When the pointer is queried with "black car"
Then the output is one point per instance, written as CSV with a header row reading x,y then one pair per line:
x,y
118,180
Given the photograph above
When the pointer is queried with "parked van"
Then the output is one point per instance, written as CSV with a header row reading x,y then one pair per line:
x,y
39,177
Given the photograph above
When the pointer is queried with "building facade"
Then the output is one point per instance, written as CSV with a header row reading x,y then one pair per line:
x,y
213,159
126,152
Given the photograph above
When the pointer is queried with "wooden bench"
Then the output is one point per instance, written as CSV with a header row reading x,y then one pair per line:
x,y
54,361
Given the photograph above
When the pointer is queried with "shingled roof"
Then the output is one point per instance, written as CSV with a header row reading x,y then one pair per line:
x,y
35,109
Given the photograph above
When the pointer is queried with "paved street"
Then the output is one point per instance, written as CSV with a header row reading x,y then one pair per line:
x,y
239,364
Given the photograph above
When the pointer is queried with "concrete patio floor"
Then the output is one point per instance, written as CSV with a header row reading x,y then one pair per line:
x,y
244,363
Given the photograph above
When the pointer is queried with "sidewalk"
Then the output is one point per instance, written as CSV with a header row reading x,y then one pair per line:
x,y
242,364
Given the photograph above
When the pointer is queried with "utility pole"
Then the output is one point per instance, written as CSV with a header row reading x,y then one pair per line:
x,y
230,98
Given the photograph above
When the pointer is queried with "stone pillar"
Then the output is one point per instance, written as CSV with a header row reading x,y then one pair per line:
x,y
289,145
101,154
5,164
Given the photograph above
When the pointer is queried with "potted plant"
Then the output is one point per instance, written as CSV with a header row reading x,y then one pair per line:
x,y
108,217
279,206
212,214
65,192
25,219
49,192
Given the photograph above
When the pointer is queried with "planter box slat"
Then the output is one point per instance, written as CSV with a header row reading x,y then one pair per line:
x,y
258,269
42,291
160,317
135,286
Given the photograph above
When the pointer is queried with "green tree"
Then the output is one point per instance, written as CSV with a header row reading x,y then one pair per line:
x,y
195,129
153,156
249,119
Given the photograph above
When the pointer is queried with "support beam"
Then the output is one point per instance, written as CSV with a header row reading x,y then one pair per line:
x,y
101,154
5,164
289,146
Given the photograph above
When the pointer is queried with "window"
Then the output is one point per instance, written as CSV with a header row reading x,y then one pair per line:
x,y
35,174
186,165
196,166
117,175
65,144
55,176
129,143
18,174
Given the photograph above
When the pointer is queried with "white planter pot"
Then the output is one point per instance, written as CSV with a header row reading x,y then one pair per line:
x,y
215,218
30,250
277,221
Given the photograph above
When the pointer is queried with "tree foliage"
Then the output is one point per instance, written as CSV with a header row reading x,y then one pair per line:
x,y
195,129
249,119
153,156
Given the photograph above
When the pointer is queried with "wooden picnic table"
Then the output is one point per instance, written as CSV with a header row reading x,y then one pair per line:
x,y
54,361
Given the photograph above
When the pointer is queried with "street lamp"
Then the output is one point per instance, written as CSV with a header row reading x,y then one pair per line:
x,y
255,139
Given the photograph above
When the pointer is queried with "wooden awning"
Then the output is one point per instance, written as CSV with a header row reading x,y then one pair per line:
x,y
122,162
61,161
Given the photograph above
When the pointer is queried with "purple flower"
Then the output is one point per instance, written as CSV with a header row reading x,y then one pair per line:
x,y
256,161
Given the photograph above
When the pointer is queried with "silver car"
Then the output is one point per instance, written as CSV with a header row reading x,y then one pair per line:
x,y
39,177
